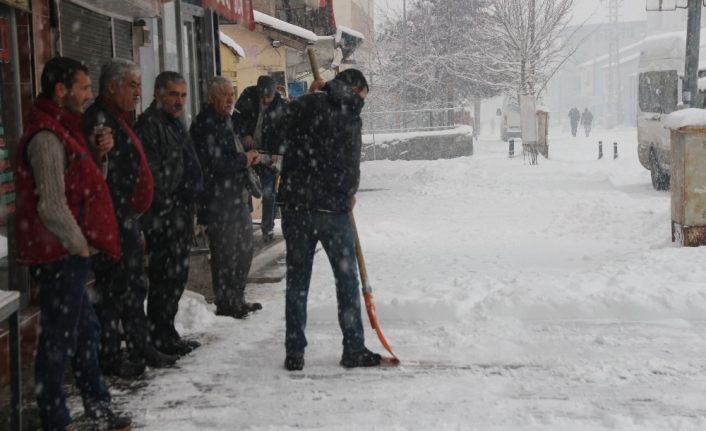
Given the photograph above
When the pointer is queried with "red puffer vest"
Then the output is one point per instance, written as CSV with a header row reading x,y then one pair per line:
x,y
86,191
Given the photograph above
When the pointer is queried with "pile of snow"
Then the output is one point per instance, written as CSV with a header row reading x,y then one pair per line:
x,y
691,117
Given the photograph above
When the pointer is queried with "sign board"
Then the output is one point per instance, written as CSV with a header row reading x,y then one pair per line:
x,y
238,11
659,5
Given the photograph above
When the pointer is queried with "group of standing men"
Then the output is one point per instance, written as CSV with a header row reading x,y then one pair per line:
x,y
91,185
576,117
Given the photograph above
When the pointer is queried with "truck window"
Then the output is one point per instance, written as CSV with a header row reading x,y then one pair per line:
x,y
658,91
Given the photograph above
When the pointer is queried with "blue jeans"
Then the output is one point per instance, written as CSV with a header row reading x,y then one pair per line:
x,y
70,331
302,231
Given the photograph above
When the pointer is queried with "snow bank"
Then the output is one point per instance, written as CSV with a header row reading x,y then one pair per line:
x,y
381,138
693,117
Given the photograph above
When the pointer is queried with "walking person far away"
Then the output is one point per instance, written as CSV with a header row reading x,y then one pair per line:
x,y
121,289
169,224
320,177
257,113
587,120
574,117
225,203
64,213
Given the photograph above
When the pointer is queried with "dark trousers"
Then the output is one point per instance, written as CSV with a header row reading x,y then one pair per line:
x,y
121,289
302,231
169,238
268,177
574,128
70,331
231,244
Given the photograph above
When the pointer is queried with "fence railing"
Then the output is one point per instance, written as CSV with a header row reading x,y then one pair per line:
x,y
416,120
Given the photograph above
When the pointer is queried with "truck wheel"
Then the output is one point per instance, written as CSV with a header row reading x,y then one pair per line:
x,y
660,179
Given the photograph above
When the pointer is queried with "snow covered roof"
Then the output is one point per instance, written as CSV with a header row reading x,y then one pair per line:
x,y
343,29
230,43
606,57
284,27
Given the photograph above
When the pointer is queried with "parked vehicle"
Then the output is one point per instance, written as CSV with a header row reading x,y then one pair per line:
x,y
510,119
661,72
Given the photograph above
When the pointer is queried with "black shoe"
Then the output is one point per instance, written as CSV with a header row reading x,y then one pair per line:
x,y
179,347
122,367
104,419
268,237
242,311
294,363
364,358
156,359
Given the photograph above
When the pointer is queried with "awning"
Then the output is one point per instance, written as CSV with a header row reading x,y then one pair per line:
x,y
288,34
19,4
236,11
231,44
124,8
348,40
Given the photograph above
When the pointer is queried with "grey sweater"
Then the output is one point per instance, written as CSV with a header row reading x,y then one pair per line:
x,y
47,158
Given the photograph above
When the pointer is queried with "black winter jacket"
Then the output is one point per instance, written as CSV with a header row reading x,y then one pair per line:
x,y
224,168
172,159
247,110
321,166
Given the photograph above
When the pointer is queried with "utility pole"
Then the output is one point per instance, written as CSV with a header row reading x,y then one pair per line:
x,y
404,56
691,66
615,111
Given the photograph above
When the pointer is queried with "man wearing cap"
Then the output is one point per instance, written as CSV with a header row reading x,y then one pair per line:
x,y
257,113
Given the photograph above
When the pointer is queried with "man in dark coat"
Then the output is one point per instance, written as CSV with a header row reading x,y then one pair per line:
x,y
574,117
121,288
57,227
587,120
320,176
169,224
225,203
258,112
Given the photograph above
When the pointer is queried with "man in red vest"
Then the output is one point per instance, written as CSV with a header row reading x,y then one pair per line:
x,y
64,212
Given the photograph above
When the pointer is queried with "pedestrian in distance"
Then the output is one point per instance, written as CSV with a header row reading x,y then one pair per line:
x,y
225,204
121,288
574,117
258,112
320,177
587,120
169,224
64,212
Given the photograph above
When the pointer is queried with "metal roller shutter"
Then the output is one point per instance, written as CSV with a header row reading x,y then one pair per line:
x,y
87,36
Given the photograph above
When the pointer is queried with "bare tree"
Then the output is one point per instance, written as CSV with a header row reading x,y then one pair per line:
x,y
521,40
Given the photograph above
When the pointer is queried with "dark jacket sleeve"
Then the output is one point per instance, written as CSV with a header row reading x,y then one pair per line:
x,y
247,109
215,157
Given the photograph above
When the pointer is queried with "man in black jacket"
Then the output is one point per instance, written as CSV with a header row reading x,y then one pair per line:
x,y
122,288
320,176
225,204
169,224
257,113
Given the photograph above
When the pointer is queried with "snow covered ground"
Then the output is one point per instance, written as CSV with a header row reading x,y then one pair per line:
x,y
519,298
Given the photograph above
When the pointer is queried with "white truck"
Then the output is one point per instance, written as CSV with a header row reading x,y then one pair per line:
x,y
661,74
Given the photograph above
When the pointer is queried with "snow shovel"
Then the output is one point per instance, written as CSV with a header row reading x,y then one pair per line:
x,y
368,297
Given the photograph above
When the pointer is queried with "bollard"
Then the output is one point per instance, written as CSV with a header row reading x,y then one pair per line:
x,y
600,150
511,150
615,150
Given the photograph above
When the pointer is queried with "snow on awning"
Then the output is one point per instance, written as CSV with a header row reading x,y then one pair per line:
x,y
348,40
289,34
231,44
691,117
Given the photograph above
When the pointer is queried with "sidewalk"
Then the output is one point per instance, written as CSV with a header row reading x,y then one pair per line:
x,y
267,265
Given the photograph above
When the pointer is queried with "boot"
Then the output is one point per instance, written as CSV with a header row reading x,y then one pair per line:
x,y
364,358
105,419
178,347
121,366
156,359
294,363
245,308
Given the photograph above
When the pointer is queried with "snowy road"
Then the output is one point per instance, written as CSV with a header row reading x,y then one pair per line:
x,y
519,297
